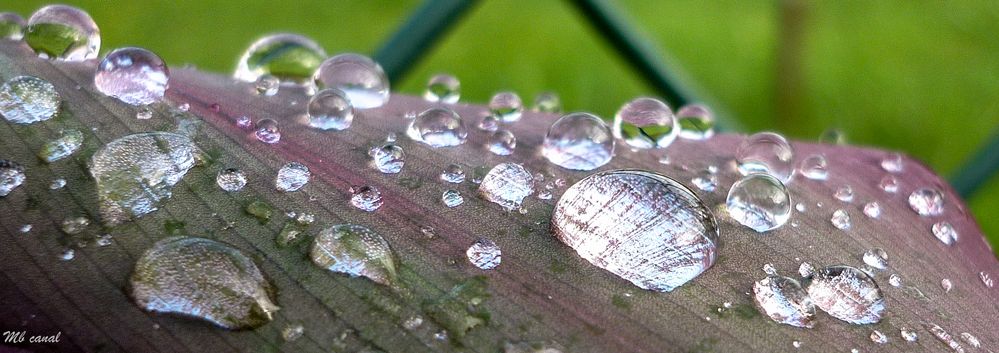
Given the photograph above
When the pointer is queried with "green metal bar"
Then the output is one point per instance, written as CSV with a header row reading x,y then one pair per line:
x,y
418,34
977,170
638,51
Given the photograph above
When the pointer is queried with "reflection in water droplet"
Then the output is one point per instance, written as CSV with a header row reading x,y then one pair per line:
x,y
453,173
892,163
944,232
643,227
267,85
889,184
205,279
840,219
285,56
329,109
501,142
292,332
908,335
356,251
452,198
760,202
927,202
11,26
878,337
894,280
944,337
231,180
64,146
484,254
28,99
766,152
815,167
847,294
443,88
135,76
696,122
872,209
67,255
507,184
365,198
438,127
362,79
844,193
388,158
292,176
579,141
506,106
784,301
547,102
268,131
876,258
645,123
488,122
63,32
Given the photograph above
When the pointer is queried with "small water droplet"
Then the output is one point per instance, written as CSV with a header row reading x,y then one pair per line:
x,y
927,202
545,195
184,107
366,198
800,207
889,184
872,209
766,152
11,26
443,88
292,332
135,76
547,102
488,122
815,167
57,184
664,160
484,254
876,258
946,284
288,57
388,158
330,109
506,106
440,336
144,113
892,163
806,270
63,32
507,184
841,219
67,255
244,122
579,141
696,122
894,280
356,251
986,279
292,177
268,131
796,344
945,232
501,142
361,78
878,337
453,173
844,193
971,340
438,127
944,337
267,85
760,202
28,99
65,145
26,228
231,180
908,335
645,123
784,301
847,294
769,269
705,181
452,198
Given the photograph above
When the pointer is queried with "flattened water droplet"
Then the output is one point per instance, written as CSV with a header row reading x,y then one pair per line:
x,y
292,177
443,88
506,106
876,258
579,141
205,279
64,146
330,109
944,232
63,32
11,26
847,294
135,76
144,113
484,254
453,173
501,142
696,122
28,99
356,251
268,131
507,184
971,340
889,184
815,167
645,123
844,193
231,180
452,198
766,152
872,209
927,202
547,102
366,198
438,127
760,202
643,227
388,158
908,335
944,337
840,219
288,57
362,79
878,337
892,163
784,301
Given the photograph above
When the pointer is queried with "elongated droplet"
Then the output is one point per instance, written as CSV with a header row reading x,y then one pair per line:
x,y
579,141
134,173
11,26
847,294
760,202
506,106
28,99
362,79
944,232
501,142
784,301
288,57
453,173
643,227
62,147
484,254
944,337
443,88
388,158
696,122
986,279
815,167
766,152
547,102
927,202
876,258
292,177
63,32
507,184
366,198
971,340
231,180
11,176
355,251
645,123
132,75
330,109
204,279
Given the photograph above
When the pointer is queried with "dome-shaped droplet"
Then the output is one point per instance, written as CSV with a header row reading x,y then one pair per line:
x,y
945,232
488,122
268,131
705,181
452,198
134,173
288,57
547,102
645,123
355,251
641,226
65,145
892,163
894,280
760,202
507,184
927,202
132,75
365,198
205,279
833,136
11,176
814,167
292,176
28,99
438,127
63,32
11,26
876,258
330,109
484,254
579,141
267,85
388,158
696,122
362,79
841,219
889,184
501,142
443,88
872,209
908,335
453,173
847,294
784,301
946,284
506,106
231,180
144,113
766,152
844,193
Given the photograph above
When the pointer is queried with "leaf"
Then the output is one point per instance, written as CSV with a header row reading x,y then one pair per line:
x,y
542,291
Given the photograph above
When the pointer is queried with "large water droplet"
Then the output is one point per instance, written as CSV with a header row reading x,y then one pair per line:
x,y
63,32
134,173
231,180
453,173
945,232
645,123
815,167
11,176
438,127
501,142
876,258
760,202
579,141
443,88
643,227
288,57
548,102
840,219
507,184
927,202
292,176
330,109
366,198
268,131
484,254
847,294
63,146
766,152
388,158
784,301
696,122
11,26
132,75
362,79
506,106
205,279
356,251
28,99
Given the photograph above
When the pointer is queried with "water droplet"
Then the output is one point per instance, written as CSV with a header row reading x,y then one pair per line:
x,y
63,32
362,79
440,335
844,193
944,232
705,181
784,301
330,109
507,184
878,337
876,258
800,207
579,141
506,106
366,198
267,85
57,184
144,113
796,344
986,279
769,269
833,136
231,180
847,294
889,184
135,76
944,337
872,209
388,158
696,122
67,255
412,322
547,102
484,254
452,198
443,88
184,107
894,280
946,285
488,122
645,123
268,131
927,202
134,173
908,335
971,340
292,332
64,146
11,26
815,167
205,279
28,99
244,122
285,56
438,127
453,173
840,219
356,251
643,227
74,225
292,176
765,152
26,228
501,142
760,202
892,163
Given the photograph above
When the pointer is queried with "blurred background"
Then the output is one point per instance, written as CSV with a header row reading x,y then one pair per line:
x,y
917,77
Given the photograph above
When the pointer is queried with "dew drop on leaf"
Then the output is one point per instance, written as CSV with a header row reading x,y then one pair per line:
x,y
501,142
927,201
135,76
292,177
354,250
443,88
506,106
11,26
365,198
388,158
11,176
944,232
438,127
65,145
453,173
848,294
361,78
288,57
645,123
484,254
814,167
28,99
547,102
876,258
784,301
696,122
760,202
766,152
452,198
330,109
63,32
507,184
579,141
231,180
267,131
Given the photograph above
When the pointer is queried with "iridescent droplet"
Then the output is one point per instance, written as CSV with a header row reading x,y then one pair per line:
x,y
65,145
878,337
292,176
547,102
840,219
11,26
288,57
889,184
28,99
814,167
501,142
927,202
696,122
847,294
438,127
644,227
579,141
231,180
453,173
766,152
330,109
63,32
844,193
784,301
872,209
506,106
267,85
361,78
443,88
944,232
507,185
760,202
354,250
388,158
366,198
645,123
876,258
892,163
484,254
135,76
452,198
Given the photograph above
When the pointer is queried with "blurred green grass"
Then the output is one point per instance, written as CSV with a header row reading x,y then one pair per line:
x,y
918,77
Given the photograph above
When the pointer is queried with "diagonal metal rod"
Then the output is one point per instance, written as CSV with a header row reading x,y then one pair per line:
x,y
978,169
642,56
418,34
